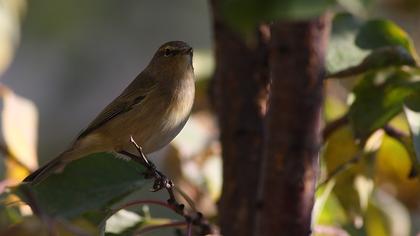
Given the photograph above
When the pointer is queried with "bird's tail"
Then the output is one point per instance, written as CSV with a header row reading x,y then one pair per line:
x,y
56,165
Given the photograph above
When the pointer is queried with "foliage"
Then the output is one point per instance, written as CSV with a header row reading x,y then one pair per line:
x,y
375,147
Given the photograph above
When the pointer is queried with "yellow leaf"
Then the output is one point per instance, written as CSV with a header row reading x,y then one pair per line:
x,y
19,124
339,151
10,12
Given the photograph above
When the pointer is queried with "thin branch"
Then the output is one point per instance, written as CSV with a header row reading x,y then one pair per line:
x,y
347,73
333,126
395,133
341,168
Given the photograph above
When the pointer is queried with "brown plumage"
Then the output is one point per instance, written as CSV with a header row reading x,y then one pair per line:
x,y
153,109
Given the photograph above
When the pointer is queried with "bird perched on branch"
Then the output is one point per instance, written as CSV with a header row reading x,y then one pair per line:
x,y
152,110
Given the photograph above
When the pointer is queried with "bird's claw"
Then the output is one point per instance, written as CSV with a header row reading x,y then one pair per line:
x,y
162,183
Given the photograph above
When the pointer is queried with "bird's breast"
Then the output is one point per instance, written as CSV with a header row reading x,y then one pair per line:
x,y
168,117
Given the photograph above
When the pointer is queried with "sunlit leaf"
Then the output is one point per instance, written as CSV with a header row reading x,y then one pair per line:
x,y
122,221
328,209
392,160
379,98
381,33
322,196
342,153
88,184
378,59
20,124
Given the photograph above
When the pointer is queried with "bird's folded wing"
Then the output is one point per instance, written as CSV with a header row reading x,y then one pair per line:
x,y
133,95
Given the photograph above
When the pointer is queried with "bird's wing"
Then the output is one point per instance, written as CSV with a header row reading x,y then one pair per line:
x,y
133,95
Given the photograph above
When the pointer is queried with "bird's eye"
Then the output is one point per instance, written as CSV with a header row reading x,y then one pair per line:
x,y
168,52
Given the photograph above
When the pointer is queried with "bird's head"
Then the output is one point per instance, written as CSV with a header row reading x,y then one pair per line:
x,y
173,55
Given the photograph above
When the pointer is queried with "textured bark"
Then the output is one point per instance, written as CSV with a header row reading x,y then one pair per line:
x,y
239,93
292,127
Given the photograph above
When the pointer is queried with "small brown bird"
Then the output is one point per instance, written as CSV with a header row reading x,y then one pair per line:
x,y
152,109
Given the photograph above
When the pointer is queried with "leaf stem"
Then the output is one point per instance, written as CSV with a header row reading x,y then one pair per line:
x,y
344,166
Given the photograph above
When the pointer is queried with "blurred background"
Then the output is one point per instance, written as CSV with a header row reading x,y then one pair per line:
x,y
76,56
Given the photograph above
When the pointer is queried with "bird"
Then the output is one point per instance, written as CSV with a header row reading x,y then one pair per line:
x,y
152,110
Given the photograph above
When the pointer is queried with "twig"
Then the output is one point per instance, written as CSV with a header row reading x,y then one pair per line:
x,y
395,133
168,225
333,126
341,168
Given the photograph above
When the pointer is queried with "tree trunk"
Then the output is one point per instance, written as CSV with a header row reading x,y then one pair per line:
x,y
239,93
292,140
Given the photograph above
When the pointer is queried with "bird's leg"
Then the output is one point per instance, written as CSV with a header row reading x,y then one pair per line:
x,y
161,181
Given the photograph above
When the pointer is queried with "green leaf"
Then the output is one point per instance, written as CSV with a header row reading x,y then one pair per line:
x,y
378,59
381,33
412,112
91,183
378,98
245,15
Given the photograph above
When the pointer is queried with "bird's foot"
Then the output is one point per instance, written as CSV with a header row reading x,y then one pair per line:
x,y
161,181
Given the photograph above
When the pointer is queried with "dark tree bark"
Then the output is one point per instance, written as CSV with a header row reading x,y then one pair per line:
x,y
292,127
239,93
